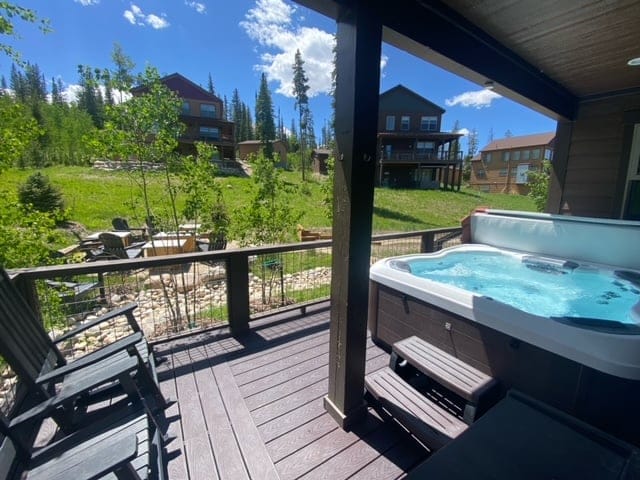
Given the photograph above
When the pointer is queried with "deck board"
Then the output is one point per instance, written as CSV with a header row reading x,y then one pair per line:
x,y
252,408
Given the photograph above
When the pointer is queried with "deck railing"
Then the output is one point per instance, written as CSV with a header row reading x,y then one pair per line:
x,y
186,293
190,292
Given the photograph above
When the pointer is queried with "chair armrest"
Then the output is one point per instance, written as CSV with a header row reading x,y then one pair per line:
x,y
125,343
126,310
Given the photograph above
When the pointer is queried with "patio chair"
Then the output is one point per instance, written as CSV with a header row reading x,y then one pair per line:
x,y
121,225
126,443
69,387
114,247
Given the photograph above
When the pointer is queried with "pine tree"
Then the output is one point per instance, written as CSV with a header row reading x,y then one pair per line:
x,y
300,88
226,112
210,85
508,134
472,142
89,98
56,93
236,114
108,91
265,125
17,82
3,83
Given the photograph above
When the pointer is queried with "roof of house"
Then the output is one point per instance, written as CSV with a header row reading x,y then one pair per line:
x,y
322,151
522,141
402,88
184,87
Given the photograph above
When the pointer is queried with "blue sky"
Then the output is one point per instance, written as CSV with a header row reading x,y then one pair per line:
x,y
237,40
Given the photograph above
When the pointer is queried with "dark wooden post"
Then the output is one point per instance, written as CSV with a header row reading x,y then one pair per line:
x,y
427,242
238,292
359,40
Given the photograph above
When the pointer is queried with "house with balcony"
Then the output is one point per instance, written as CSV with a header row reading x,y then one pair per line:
x,y
413,152
504,164
203,114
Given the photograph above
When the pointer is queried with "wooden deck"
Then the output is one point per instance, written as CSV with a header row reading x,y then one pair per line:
x,y
252,408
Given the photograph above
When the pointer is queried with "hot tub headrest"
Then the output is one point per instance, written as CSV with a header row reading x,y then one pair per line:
x,y
611,242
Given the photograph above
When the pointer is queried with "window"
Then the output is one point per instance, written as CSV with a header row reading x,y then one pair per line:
x,y
525,155
404,122
391,122
487,157
503,172
425,147
535,154
186,108
513,172
516,156
548,154
211,133
505,156
480,173
208,110
429,124
485,188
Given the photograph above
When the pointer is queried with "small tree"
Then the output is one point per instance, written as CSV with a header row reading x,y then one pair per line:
x,y
265,124
538,182
41,194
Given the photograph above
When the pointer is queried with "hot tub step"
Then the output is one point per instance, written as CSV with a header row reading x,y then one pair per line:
x,y
452,373
427,421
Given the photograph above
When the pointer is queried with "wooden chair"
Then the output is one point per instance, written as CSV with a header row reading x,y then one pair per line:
x,y
126,443
121,225
114,246
69,387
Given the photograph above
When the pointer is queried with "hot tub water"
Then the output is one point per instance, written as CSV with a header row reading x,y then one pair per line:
x,y
541,286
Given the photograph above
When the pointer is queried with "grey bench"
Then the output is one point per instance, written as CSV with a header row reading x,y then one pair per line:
x,y
452,373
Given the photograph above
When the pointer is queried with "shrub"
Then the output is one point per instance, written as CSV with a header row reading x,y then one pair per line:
x,y
539,186
41,194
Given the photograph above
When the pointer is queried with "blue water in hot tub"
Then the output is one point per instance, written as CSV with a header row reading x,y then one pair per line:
x,y
540,286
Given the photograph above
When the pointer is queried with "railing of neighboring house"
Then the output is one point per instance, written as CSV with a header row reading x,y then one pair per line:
x,y
425,157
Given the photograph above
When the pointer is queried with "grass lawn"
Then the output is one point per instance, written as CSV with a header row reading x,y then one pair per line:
x,y
94,197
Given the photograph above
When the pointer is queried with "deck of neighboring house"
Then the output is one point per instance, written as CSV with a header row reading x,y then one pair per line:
x,y
252,407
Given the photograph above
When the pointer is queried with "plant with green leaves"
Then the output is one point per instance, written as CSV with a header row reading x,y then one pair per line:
x,y
538,182
269,218
204,202
41,194
327,188
18,131
9,12
26,235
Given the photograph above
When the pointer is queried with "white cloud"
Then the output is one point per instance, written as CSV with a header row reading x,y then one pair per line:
x,y
87,3
463,131
477,99
197,6
270,24
136,16
72,91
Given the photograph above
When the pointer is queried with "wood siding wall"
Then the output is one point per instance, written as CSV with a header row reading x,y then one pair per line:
x,y
597,160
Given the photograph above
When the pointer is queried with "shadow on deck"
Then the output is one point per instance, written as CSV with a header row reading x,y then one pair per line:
x,y
252,408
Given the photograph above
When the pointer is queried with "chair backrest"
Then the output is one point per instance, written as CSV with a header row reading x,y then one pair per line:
x,y
120,224
24,343
113,244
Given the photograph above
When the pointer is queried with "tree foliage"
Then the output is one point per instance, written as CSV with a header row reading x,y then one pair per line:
x,y
538,182
26,235
18,131
41,194
8,14
300,89
265,124
269,218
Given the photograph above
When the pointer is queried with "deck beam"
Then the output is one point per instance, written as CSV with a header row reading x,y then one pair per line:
x,y
359,37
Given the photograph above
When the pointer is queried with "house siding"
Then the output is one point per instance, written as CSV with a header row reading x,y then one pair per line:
x,y
500,176
596,166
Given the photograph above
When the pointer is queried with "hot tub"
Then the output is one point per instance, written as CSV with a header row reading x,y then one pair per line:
x,y
602,332
584,364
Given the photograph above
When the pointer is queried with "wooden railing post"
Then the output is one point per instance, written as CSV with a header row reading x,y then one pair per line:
x,y
238,292
27,288
427,242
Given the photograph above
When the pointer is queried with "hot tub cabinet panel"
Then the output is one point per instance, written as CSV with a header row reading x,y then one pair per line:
x,y
606,401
